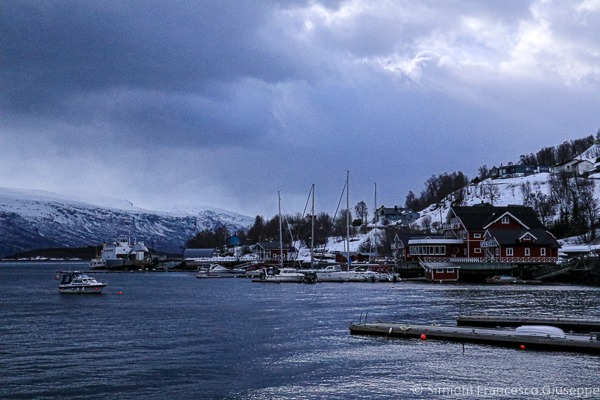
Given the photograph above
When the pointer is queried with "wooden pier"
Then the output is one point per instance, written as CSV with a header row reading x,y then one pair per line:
x,y
567,324
589,343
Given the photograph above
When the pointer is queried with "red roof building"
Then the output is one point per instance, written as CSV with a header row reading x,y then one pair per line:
x,y
510,235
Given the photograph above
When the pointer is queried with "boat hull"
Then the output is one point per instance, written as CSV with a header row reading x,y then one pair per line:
x,y
286,279
342,277
81,289
201,275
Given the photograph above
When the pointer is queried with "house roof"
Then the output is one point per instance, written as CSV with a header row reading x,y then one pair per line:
x,y
497,217
477,217
393,210
275,246
510,237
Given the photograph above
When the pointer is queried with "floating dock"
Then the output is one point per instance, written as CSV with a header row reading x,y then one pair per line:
x,y
503,337
568,324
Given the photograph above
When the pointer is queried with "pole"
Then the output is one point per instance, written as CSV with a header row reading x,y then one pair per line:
x,y
375,206
312,229
348,218
280,231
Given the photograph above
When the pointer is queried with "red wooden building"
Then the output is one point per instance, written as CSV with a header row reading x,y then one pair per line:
x,y
441,271
510,235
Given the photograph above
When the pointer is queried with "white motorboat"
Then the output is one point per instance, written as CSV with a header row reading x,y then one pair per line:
x,y
284,275
79,283
334,273
218,271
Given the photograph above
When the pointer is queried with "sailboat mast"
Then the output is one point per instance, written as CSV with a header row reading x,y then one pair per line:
x,y
348,218
280,231
312,227
374,223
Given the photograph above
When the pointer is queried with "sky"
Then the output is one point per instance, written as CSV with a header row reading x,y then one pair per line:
x,y
173,104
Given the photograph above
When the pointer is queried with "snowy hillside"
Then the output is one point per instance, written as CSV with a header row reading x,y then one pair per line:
x,y
32,219
509,192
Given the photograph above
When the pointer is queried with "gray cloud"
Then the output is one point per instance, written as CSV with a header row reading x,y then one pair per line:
x,y
224,103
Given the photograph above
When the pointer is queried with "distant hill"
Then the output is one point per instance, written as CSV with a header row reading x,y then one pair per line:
x,y
33,219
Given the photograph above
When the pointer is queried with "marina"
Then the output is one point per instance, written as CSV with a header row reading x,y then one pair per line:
x,y
519,338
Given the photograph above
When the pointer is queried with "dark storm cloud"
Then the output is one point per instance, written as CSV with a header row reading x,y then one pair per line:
x,y
152,69
226,102
52,49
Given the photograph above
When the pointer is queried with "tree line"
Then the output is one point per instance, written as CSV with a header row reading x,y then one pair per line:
x,y
296,227
555,155
437,188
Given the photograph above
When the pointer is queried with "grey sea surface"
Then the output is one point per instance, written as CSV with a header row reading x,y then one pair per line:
x,y
170,335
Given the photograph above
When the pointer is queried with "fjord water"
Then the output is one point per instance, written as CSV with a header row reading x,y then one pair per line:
x,y
171,335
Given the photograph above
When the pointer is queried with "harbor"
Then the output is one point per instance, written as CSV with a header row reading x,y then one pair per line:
x,y
166,327
589,343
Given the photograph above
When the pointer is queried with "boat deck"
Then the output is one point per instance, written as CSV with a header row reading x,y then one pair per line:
x,y
504,337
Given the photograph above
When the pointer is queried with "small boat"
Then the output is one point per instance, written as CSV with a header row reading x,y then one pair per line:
x,y
545,331
281,275
503,279
334,273
218,271
79,283
98,263
286,275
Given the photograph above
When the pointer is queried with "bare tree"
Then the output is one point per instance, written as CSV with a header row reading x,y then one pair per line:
x,y
427,223
483,172
362,211
588,205
490,191
544,207
526,193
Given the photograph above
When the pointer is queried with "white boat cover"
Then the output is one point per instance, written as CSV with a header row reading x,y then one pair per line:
x,y
540,330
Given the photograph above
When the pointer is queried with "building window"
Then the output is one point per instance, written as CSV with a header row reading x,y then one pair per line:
x,y
509,252
449,270
497,252
527,251
477,236
543,251
477,250
505,220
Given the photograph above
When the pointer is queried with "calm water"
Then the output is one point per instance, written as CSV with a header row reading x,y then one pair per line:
x,y
170,335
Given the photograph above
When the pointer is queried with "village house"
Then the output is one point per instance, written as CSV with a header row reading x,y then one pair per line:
x,y
395,215
273,251
574,167
510,235
441,272
516,170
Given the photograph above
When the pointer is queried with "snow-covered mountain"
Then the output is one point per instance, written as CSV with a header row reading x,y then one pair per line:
x,y
34,219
